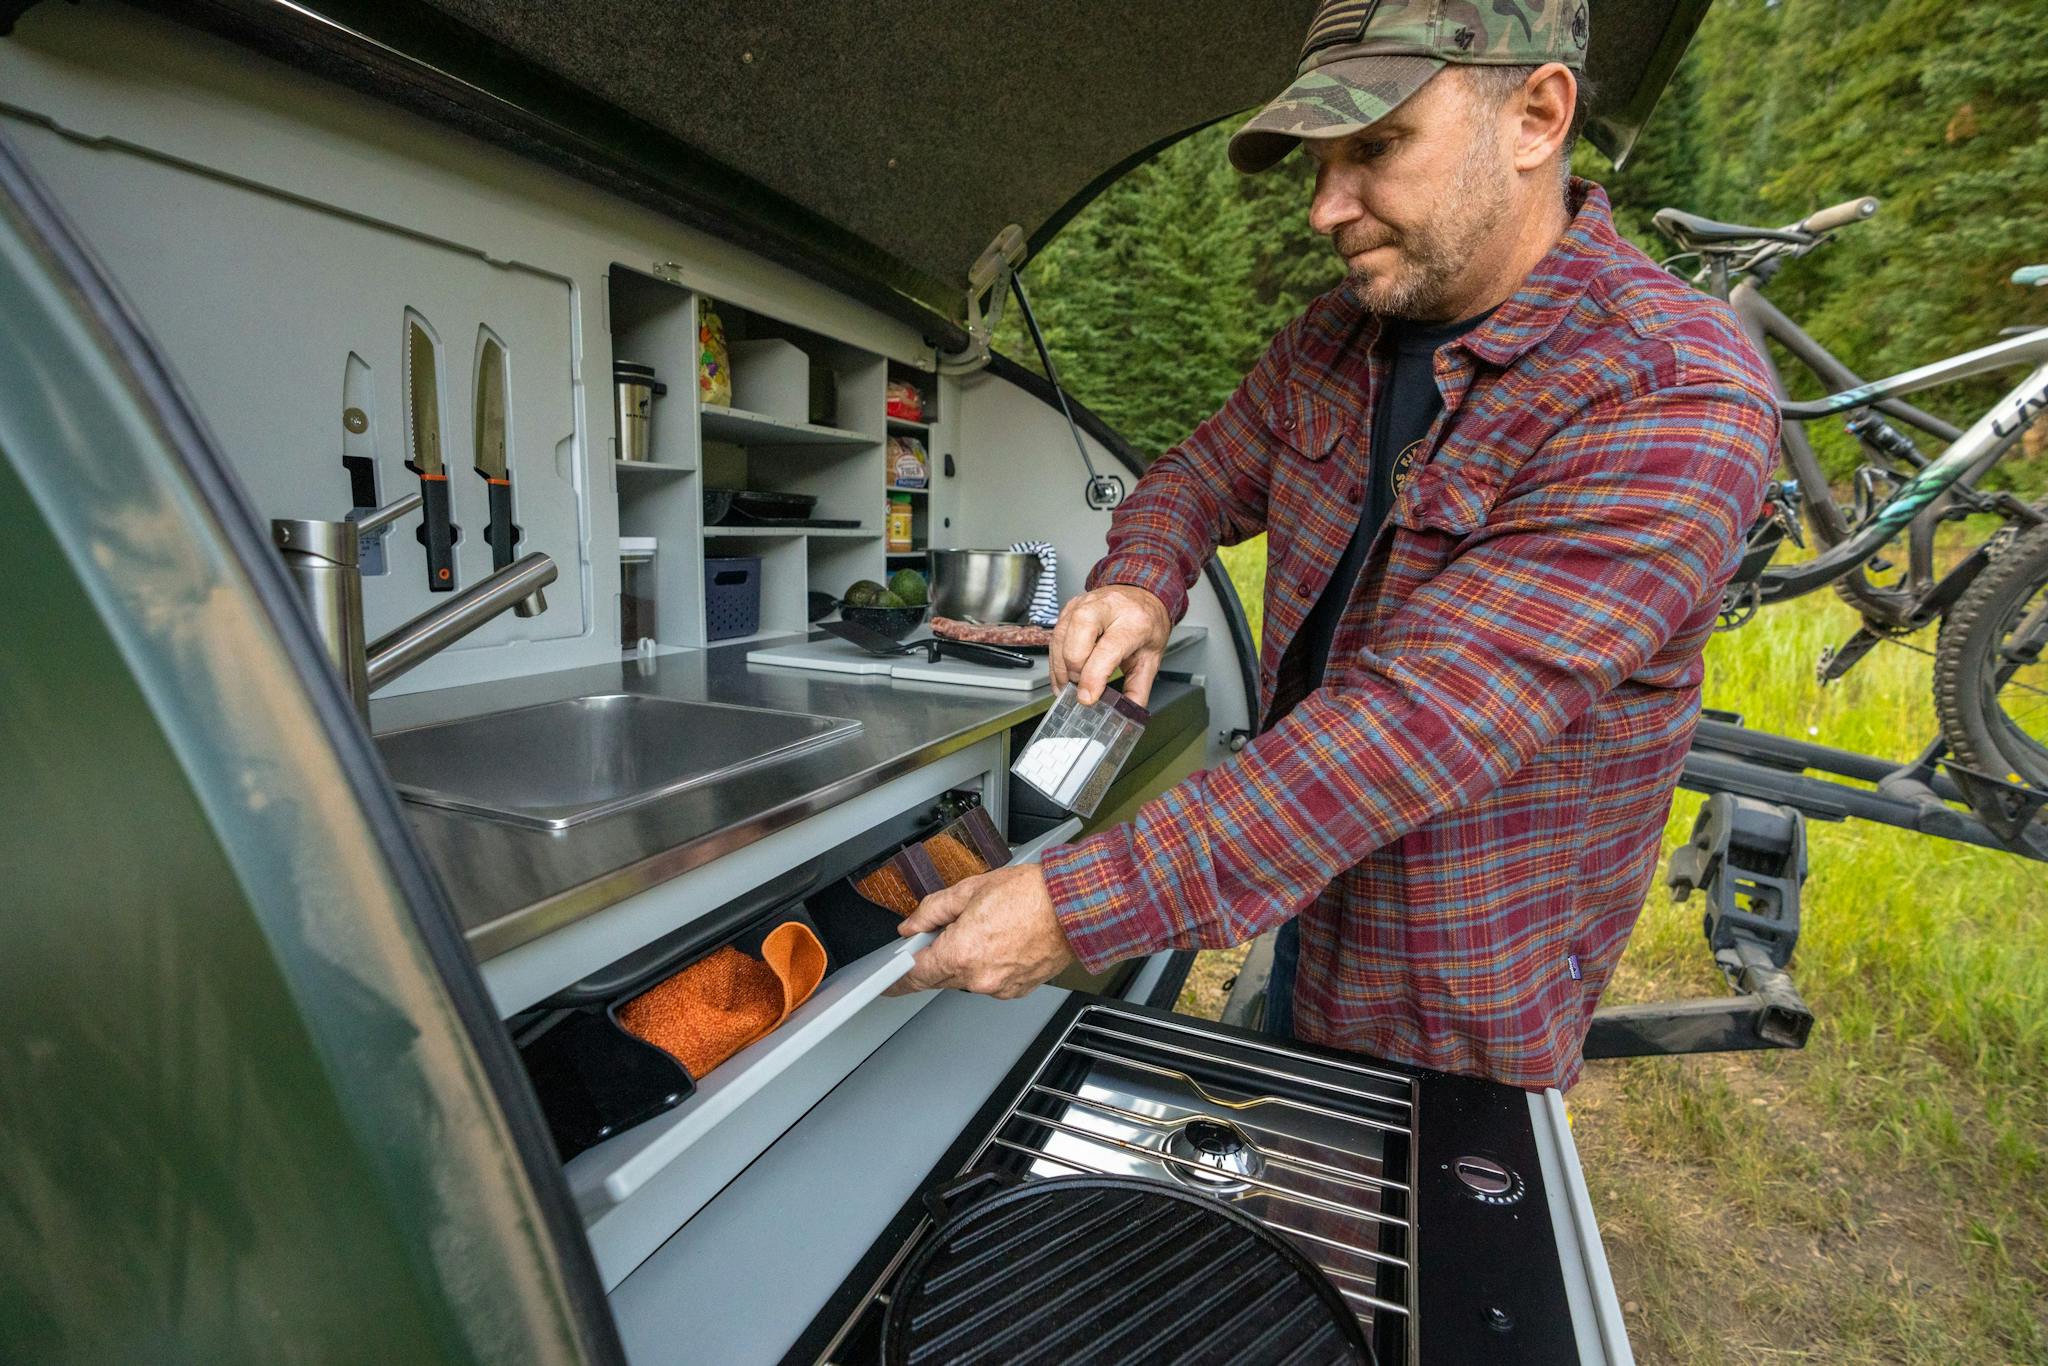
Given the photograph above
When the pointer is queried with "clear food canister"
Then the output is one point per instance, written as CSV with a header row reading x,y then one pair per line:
x,y
637,389
636,590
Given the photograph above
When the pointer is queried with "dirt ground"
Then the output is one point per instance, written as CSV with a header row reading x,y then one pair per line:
x,y
1741,1228
1208,984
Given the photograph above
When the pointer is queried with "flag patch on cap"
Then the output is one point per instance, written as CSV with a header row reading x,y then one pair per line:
x,y
1339,21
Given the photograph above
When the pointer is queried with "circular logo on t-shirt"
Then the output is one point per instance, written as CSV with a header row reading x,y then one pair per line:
x,y
1405,463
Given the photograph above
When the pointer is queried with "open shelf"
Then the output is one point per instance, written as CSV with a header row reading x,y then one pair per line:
x,y
742,428
782,373
842,533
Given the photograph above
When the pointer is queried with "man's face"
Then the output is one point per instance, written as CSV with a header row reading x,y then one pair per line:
x,y
1410,202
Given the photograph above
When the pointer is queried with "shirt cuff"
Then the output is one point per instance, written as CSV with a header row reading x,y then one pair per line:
x,y
1162,581
1097,899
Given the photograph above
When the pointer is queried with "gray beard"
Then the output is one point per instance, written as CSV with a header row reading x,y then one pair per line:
x,y
1439,251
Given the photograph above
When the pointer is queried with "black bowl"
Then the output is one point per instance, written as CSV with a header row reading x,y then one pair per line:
x,y
893,622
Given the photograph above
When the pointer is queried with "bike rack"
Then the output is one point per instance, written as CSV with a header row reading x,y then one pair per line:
x,y
1748,855
1917,796
1749,858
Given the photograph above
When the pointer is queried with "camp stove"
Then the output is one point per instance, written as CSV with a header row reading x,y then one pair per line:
x,y
1449,1214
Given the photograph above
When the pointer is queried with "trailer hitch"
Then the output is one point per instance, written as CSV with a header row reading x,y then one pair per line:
x,y
1748,858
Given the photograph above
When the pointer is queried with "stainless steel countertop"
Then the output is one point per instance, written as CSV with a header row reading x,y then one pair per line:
x,y
512,885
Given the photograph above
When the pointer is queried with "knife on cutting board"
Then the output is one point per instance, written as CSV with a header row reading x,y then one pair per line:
x,y
359,455
875,643
423,445
492,381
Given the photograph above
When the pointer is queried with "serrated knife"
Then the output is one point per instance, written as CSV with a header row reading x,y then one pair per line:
x,y
423,441
492,381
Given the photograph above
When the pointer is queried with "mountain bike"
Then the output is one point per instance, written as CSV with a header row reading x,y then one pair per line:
x,y
1990,682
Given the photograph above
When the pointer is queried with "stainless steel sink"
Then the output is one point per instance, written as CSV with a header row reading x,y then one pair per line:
x,y
560,763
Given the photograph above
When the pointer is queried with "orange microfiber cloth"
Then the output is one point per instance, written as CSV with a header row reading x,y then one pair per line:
x,y
726,1000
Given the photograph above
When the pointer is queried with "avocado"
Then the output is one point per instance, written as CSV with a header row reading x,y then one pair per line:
x,y
889,599
908,585
864,593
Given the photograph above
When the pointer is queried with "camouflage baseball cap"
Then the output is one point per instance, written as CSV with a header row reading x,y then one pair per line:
x,y
1364,57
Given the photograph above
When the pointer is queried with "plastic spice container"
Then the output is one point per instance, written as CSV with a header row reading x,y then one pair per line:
x,y
1077,751
636,589
901,522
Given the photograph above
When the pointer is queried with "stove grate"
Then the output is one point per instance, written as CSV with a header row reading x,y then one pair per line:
x,y
1331,1142
1326,1161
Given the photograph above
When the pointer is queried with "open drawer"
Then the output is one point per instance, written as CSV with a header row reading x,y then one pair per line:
x,y
635,1189
615,1171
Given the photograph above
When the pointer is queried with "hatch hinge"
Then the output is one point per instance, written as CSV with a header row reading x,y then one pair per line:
x,y
988,287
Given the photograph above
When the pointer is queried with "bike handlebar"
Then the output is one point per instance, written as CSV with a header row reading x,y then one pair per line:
x,y
1839,216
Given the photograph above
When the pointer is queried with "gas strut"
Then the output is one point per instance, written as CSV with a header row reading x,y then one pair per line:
x,y
1104,490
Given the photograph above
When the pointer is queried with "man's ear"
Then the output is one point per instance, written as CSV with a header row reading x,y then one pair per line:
x,y
1546,103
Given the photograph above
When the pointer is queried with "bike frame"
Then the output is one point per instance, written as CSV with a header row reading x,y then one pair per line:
x,y
1969,454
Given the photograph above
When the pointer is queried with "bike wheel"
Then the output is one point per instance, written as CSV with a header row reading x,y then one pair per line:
x,y
1995,727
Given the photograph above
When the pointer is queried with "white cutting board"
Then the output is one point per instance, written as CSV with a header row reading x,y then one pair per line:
x,y
915,669
839,656
831,654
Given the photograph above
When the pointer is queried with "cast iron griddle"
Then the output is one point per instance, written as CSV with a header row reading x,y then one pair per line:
x,y
1112,1269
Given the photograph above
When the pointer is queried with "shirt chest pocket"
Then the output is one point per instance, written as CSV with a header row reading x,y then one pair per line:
x,y
1453,493
1304,430
1309,474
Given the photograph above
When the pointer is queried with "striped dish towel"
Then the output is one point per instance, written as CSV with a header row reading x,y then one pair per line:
x,y
1045,598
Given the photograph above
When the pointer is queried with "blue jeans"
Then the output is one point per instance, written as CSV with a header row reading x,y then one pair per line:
x,y
1279,1017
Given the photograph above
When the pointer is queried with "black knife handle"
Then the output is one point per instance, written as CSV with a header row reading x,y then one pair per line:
x,y
502,535
437,533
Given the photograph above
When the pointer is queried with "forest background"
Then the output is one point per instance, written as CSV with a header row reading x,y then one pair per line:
x,y
1157,299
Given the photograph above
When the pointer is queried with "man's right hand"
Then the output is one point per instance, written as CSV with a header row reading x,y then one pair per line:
x,y
1107,627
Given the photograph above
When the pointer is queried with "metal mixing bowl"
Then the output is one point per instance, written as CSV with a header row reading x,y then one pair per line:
x,y
986,587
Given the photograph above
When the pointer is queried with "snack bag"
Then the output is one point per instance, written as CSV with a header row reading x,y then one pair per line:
x,y
714,366
907,466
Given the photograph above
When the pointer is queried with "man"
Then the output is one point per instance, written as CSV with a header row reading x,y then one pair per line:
x,y
1505,470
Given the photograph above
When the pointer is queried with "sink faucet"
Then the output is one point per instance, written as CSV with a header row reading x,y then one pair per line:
x,y
323,560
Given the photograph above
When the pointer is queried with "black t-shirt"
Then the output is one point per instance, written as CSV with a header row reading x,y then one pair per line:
x,y
1408,405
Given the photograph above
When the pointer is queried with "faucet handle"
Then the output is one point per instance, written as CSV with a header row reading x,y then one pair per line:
x,y
389,513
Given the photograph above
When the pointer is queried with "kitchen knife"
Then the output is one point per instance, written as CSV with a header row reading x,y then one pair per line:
x,y
875,643
359,455
491,384
423,440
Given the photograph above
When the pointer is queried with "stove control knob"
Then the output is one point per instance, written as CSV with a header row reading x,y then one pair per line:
x,y
1488,1181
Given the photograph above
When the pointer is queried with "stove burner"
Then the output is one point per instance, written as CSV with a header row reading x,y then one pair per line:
x,y
1225,1155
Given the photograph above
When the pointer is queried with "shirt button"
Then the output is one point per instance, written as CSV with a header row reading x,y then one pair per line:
x,y
1287,423
1354,495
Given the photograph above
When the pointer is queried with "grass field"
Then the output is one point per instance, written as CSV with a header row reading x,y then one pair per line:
x,y
1883,1195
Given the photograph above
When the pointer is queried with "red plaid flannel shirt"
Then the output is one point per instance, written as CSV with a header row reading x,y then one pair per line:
x,y
1466,814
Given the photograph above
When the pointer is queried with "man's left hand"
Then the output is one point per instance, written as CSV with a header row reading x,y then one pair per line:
x,y
998,936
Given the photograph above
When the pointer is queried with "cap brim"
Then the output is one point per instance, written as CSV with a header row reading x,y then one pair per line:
x,y
1330,101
